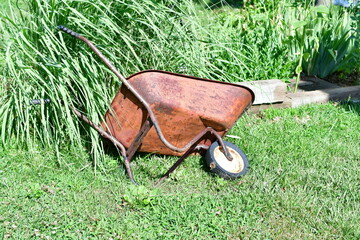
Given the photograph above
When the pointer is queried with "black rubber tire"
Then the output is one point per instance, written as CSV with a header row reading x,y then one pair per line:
x,y
215,165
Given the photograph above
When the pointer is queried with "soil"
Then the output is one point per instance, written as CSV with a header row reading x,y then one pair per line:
x,y
344,79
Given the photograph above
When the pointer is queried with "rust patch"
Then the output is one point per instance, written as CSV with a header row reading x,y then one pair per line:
x,y
213,124
163,108
184,106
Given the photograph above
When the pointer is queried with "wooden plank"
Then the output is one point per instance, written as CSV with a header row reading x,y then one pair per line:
x,y
317,96
311,84
257,108
267,91
324,95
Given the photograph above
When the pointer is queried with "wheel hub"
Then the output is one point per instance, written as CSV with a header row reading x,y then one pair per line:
x,y
236,165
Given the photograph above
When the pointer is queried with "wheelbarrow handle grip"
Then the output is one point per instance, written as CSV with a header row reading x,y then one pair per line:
x,y
68,31
39,101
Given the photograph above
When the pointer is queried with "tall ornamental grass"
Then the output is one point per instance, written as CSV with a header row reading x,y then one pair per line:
x,y
40,62
201,38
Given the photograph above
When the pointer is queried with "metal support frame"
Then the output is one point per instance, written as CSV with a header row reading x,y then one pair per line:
x,y
106,135
195,146
145,128
151,121
128,154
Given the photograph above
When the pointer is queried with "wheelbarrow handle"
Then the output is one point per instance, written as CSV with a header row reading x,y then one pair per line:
x,y
39,101
68,31
132,90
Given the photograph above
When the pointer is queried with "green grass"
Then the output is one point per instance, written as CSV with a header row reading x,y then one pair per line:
x,y
303,184
3,4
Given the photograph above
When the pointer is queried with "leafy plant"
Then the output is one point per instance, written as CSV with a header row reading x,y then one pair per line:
x,y
325,41
139,196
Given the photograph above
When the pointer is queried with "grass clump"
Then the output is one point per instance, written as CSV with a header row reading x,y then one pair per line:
x,y
42,63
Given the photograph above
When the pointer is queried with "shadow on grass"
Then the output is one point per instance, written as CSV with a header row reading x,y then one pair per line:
x,y
232,3
351,106
215,4
148,167
147,170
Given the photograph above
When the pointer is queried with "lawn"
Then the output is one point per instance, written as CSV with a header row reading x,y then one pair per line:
x,y
303,184
57,181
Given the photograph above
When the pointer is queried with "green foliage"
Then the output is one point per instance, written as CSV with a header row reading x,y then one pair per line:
x,y
355,27
139,196
199,38
40,62
258,38
325,40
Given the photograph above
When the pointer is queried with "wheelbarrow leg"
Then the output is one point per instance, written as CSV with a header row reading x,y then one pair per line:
x,y
176,164
138,140
195,141
128,170
106,135
194,146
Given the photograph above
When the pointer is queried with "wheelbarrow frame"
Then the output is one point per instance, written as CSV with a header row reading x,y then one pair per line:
x,y
151,121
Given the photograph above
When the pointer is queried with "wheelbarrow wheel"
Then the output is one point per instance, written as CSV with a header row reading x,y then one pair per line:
x,y
219,164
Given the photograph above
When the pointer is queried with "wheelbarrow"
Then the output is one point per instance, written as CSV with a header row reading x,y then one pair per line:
x,y
173,114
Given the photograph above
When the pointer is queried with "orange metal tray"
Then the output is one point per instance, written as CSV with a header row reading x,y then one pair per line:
x,y
183,106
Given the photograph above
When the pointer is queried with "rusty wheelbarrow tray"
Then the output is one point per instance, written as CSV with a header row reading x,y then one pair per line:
x,y
168,113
